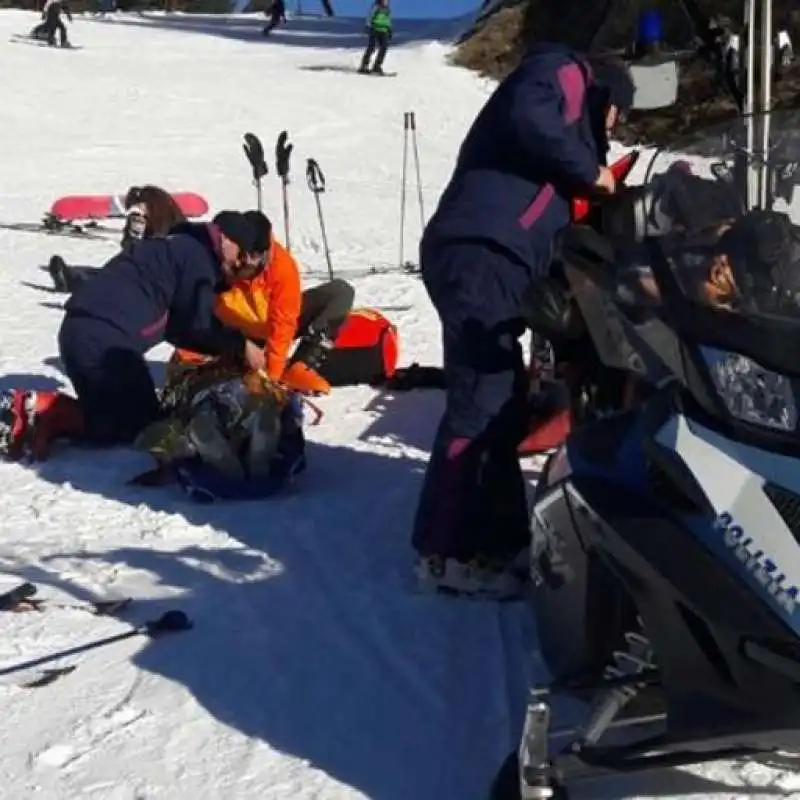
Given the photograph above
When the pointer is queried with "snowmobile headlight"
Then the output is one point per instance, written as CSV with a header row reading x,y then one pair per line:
x,y
750,392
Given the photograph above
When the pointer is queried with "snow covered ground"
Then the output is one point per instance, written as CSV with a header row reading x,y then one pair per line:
x,y
313,670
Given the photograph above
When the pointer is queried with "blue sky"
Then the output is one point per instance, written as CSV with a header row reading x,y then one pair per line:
x,y
419,9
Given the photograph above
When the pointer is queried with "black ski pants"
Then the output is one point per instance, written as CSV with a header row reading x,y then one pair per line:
x,y
324,308
378,40
52,24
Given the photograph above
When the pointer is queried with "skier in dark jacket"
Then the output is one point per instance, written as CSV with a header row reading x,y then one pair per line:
x,y
540,140
277,15
159,290
52,22
379,28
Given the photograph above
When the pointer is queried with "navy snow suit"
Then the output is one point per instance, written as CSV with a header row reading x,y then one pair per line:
x,y
158,290
529,151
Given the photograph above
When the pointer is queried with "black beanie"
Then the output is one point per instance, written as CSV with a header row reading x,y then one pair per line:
x,y
262,229
613,78
241,230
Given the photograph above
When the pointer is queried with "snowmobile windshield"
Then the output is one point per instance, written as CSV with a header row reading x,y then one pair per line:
x,y
720,215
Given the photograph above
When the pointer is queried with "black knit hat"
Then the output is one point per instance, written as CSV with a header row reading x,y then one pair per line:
x,y
242,230
613,78
263,227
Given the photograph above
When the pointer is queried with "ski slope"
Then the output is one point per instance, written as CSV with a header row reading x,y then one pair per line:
x,y
313,670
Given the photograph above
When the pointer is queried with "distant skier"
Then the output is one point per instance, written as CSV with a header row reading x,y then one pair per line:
x,y
52,22
379,28
277,15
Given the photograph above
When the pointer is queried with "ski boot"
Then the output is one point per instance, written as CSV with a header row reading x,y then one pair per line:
x,y
60,275
301,375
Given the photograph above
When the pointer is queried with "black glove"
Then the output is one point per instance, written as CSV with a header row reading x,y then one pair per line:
x,y
283,151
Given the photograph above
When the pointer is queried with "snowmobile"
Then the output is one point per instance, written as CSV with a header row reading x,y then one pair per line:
x,y
665,532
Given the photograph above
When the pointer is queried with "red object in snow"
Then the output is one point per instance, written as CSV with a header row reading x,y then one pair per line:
x,y
112,206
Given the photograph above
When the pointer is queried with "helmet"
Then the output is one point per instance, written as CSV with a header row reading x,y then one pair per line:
x,y
764,251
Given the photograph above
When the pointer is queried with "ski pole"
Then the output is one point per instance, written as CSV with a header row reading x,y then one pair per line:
x,y
406,128
283,151
254,151
418,170
316,182
170,622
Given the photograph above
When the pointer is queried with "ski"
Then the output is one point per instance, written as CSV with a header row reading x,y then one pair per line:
x,y
59,228
23,598
18,38
407,269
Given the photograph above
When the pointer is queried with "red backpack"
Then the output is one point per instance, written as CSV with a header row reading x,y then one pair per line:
x,y
365,350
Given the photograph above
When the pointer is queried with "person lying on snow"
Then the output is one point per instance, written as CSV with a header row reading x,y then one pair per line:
x,y
151,212
540,140
271,309
159,290
226,434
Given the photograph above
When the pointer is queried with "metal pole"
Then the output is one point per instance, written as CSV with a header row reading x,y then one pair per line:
x,y
750,104
765,105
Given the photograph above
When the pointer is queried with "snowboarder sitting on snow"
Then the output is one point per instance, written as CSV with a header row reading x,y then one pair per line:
x,y
539,141
271,309
151,212
51,14
379,28
277,14
159,290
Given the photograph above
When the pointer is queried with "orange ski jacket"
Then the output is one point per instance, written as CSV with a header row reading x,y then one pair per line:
x,y
267,308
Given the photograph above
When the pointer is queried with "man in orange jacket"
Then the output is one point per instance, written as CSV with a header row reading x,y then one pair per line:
x,y
272,309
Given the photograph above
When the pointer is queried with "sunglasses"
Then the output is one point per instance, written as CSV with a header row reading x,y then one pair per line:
x,y
248,265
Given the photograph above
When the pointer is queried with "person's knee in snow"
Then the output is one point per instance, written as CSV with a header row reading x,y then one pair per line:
x,y
111,378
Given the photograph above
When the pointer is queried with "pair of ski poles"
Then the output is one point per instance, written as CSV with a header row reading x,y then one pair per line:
x,y
409,138
254,151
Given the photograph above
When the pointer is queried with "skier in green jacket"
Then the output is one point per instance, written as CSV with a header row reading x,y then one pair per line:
x,y
379,28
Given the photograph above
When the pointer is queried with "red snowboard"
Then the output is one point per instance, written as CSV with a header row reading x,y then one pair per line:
x,y
110,206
